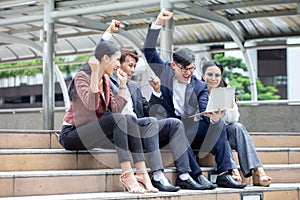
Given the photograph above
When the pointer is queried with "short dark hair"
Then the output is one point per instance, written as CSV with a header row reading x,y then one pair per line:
x,y
128,52
183,56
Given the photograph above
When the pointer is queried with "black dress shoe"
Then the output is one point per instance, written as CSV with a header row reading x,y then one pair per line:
x,y
226,180
164,185
190,184
202,180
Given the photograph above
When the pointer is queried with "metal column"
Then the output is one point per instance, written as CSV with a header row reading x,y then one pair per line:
x,y
166,40
48,64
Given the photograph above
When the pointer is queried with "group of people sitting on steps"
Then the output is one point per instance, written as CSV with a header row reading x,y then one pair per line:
x,y
107,107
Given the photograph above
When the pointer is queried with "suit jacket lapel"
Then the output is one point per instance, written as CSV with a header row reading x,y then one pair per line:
x,y
167,87
191,102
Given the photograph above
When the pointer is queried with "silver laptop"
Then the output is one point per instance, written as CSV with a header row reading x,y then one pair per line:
x,y
219,98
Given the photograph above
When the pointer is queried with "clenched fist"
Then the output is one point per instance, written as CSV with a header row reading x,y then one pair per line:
x,y
94,64
114,26
163,16
154,81
122,76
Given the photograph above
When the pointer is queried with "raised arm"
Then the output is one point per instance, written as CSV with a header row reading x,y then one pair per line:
x,y
114,27
151,54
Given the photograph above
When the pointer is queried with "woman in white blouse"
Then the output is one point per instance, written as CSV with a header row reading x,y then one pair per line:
x,y
237,134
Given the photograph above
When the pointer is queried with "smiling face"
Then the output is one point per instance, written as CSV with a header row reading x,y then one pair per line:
x,y
212,76
183,74
128,66
112,62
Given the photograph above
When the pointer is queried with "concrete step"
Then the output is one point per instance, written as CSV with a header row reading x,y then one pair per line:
x,y
46,139
274,192
60,159
278,155
28,139
62,182
90,181
276,139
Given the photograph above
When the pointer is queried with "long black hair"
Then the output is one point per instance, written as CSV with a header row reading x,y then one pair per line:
x,y
219,65
103,48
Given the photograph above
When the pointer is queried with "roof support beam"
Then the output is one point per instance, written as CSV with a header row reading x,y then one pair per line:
x,y
207,15
17,3
89,23
166,39
48,66
22,10
95,25
263,14
77,2
104,8
244,4
13,39
21,20
133,17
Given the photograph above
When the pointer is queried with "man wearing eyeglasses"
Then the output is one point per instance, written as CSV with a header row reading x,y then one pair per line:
x,y
180,94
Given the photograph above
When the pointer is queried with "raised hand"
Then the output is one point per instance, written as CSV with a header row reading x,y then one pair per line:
x,y
114,26
94,64
122,76
154,81
163,16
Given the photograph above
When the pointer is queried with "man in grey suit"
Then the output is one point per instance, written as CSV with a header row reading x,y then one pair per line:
x,y
170,133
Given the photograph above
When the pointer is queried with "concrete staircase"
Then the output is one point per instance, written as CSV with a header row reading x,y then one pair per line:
x,y
34,166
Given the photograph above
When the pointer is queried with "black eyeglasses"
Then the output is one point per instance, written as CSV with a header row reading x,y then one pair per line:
x,y
182,69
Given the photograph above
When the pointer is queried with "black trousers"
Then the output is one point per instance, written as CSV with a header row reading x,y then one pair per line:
x,y
111,130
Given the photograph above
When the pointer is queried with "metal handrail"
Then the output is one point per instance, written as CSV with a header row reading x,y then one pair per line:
x,y
252,103
270,102
24,110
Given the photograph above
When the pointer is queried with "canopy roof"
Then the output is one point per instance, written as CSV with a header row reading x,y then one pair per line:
x,y
79,23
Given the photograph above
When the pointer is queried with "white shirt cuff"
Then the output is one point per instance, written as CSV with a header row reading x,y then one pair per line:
x,y
106,36
154,26
211,121
157,94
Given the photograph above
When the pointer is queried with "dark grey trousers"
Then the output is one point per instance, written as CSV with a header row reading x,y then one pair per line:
x,y
165,133
240,141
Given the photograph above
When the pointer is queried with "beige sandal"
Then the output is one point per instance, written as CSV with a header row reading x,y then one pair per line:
x,y
260,178
143,179
135,187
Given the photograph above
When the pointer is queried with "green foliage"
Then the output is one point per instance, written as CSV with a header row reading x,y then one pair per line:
x,y
230,62
82,57
241,82
33,71
21,72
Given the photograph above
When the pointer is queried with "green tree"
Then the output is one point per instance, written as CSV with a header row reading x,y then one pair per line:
x,y
38,70
241,82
